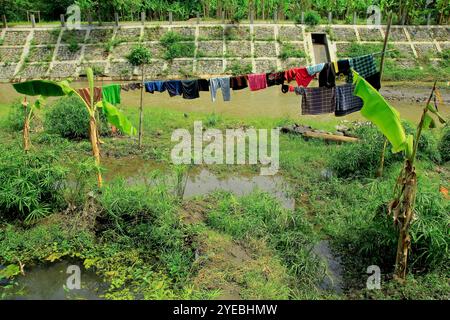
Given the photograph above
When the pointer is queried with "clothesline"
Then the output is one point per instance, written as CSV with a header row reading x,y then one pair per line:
x,y
325,99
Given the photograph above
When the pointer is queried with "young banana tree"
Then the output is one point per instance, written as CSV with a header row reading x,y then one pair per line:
x,y
29,112
48,88
387,119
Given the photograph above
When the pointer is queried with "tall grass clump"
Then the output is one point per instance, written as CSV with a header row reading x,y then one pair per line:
x,y
444,144
147,217
360,159
32,184
69,118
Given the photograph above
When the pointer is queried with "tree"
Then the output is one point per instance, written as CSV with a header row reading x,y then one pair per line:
x,y
140,56
47,88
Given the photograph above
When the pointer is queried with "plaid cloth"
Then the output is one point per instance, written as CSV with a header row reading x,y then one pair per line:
x,y
346,102
364,65
317,100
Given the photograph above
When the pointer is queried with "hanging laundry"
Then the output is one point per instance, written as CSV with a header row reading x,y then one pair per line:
x,y
223,84
111,93
276,78
317,100
300,75
131,86
152,86
190,89
363,65
238,82
284,88
327,77
378,111
86,94
346,101
174,87
312,70
375,80
257,81
203,85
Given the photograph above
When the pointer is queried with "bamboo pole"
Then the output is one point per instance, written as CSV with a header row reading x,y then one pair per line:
x,y
141,109
383,54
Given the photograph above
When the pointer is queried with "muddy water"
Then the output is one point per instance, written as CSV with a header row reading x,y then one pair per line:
x,y
334,273
48,282
199,182
265,103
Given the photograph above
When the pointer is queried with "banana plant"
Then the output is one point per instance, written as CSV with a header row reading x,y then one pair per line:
x,y
29,113
48,88
387,119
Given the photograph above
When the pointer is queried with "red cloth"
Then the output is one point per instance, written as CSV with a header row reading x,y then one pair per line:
x,y
257,81
300,75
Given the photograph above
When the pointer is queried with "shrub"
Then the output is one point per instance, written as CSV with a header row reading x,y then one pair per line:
x,y
360,159
32,184
444,144
139,56
237,68
69,118
312,18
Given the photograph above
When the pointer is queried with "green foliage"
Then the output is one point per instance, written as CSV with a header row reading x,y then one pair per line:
x,y
174,46
312,18
428,144
16,117
147,216
444,144
139,56
360,159
32,184
69,118
236,68
259,216
288,50
73,46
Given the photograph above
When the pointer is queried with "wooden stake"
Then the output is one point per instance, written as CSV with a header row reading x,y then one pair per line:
x,y
141,110
383,53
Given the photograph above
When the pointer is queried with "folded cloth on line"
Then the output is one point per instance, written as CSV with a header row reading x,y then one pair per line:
x,y
346,102
257,81
174,87
312,70
190,89
300,75
86,94
276,78
131,86
152,86
111,93
203,85
223,84
327,77
317,100
238,82
363,65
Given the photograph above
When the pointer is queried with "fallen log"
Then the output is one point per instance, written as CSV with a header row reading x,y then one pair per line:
x,y
327,136
308,132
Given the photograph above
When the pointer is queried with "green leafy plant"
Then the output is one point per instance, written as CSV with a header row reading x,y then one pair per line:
x,y
32,185
175,48
47,88
237,68
444,144
312,18
290,51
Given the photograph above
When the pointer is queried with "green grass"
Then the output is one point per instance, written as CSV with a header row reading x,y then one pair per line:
x,y
248,246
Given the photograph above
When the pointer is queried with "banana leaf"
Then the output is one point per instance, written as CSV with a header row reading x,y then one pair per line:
x,y
45,88
434,111
116,118
378,111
